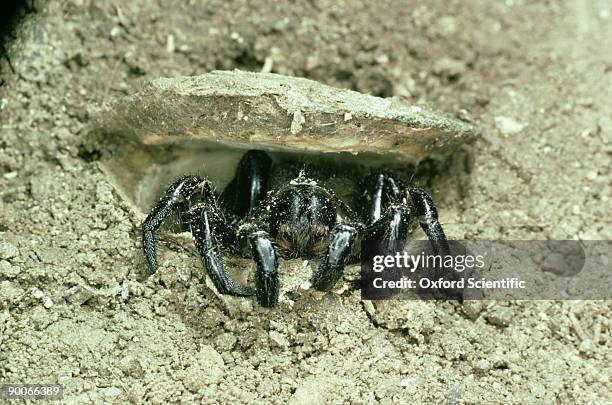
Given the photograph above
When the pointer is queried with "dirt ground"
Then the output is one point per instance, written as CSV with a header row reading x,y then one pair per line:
x,y
77,308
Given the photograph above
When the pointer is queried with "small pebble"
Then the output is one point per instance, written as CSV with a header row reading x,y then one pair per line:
x,y
508,125
449,68
48,303
8,250
170,47
280,340
111,392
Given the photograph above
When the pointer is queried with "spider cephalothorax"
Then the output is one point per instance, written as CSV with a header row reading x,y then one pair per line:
x,y
298,219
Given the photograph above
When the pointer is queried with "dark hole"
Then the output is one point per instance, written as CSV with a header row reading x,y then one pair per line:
x,y
247,61
88,155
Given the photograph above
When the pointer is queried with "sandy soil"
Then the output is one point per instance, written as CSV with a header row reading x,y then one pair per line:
x,y
76,306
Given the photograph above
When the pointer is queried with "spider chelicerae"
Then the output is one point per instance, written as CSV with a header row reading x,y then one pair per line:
x,y
298,219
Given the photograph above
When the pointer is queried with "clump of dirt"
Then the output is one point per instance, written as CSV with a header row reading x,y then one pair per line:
x,y
77,308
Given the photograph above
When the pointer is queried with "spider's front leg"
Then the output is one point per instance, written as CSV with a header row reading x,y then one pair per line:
x,y
249,185
177,195
205,222
338,249
390,217
428,217
266,276
387,214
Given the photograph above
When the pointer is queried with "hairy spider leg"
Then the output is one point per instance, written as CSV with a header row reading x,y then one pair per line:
x,y
205,223
177,195
339,246
266,277
249,185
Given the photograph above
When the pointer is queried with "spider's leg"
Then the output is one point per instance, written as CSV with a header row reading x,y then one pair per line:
x,y
377,199
392,225
250,184
337,252
177,194
428,217
397,224
385,191
203,219
394,189
266,277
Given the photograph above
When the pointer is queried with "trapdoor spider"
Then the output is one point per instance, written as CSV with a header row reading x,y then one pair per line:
x,y
298,219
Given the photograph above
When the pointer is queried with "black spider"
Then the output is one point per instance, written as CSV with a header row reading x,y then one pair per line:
x,y
299,219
